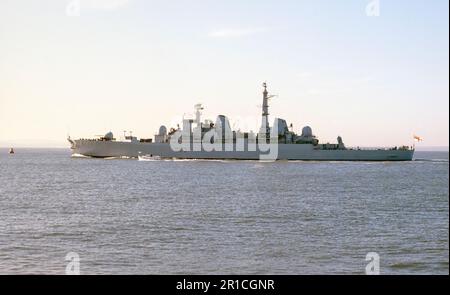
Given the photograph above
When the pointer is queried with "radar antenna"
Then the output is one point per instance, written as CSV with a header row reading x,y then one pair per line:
x,y
198,108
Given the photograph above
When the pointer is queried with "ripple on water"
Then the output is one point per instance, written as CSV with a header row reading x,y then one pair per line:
x,y
239,217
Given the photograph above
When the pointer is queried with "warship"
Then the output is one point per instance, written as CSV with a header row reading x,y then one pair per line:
x,y
206,139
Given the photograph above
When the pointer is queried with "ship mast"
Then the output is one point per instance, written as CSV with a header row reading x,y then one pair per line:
x,y
264,131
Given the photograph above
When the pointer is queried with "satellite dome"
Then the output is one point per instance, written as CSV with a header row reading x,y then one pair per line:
x,y
281,126
222,123
162,130
307,131
109,135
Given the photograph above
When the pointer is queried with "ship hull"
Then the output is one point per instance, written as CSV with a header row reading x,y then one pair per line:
x,y
304,152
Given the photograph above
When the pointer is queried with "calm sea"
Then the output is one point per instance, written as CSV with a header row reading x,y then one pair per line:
x,y
222,217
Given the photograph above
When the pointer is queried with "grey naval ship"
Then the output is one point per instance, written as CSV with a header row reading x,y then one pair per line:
x,y
206,139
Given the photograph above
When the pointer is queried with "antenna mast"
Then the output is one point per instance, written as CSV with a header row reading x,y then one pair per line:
x,y
264,131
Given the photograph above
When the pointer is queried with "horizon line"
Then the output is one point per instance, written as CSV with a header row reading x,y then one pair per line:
x,y
418,149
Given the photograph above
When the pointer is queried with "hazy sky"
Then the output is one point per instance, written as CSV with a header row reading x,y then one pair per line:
x,y
135,64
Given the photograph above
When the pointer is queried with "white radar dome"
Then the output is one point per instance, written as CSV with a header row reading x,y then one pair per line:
x,y
307,131
109,135
162,130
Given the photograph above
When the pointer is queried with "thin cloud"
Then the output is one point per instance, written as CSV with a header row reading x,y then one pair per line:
x,y
76,7
105,4
233,33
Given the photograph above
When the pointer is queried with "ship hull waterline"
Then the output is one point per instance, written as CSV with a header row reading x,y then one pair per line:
x,y
301,152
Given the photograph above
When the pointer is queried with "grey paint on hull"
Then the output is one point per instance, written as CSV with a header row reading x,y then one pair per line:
x,y
303,152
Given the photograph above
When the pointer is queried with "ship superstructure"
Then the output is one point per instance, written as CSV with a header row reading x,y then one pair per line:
x,y
206,139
